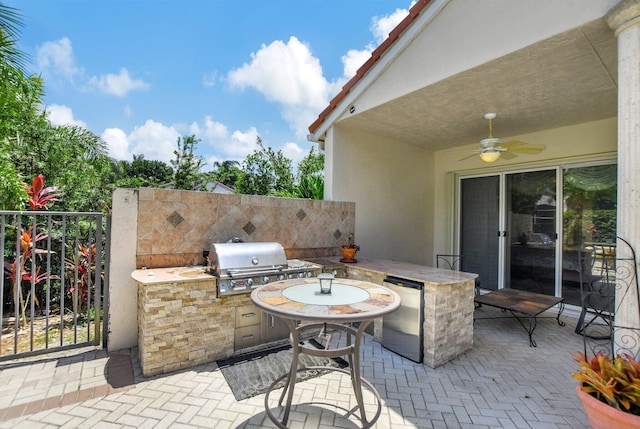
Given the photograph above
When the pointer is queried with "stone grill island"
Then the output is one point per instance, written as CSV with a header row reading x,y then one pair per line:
x,y
182,323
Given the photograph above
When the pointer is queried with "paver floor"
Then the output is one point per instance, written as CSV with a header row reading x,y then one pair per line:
x,y
500,383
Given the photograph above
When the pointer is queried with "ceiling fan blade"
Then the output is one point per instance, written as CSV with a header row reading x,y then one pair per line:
x,y
512,143
530,149
468,156
507,155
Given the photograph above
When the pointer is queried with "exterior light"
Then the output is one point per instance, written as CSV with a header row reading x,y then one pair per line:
x,y
490,155
325,282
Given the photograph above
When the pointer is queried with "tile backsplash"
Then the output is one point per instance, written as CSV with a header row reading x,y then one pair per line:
x,y
175,226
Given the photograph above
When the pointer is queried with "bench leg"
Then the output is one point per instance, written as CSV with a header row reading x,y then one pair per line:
x,y
560,310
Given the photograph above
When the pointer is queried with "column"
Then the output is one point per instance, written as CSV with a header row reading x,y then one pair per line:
x,y
624,19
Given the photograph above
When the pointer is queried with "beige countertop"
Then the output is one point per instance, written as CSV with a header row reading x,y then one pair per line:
x,y
405,270
170,275
420,273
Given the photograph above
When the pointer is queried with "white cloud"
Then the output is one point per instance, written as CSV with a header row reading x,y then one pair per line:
x,y
209,79
117,143
56,58
62,115
289,75
117,84
227,145
294,152
381,26
154,140
353,60
57,61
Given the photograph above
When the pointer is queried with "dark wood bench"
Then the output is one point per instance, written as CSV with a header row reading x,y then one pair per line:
x,y
522,302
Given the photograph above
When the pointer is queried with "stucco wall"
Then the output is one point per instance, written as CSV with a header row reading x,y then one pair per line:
x,y
157,228
392,186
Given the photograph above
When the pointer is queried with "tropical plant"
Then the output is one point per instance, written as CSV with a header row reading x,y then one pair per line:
x,y
226,172
140,172
615,382
26,250
12,192
18,270
39,195
187,165
350,244
81,273
10,21
265,172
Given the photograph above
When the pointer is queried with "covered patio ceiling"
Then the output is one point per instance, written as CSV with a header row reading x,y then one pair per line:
x,y
568,79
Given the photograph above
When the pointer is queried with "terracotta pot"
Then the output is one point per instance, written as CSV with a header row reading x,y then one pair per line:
x,y
603,416
348,253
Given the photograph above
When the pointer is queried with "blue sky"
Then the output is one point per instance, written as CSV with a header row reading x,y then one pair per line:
x,y
141,73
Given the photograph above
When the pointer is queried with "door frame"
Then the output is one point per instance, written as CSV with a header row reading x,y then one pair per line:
x,y
502,219
559,171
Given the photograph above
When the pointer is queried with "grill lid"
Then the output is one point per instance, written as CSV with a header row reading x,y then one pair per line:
x,y
239,258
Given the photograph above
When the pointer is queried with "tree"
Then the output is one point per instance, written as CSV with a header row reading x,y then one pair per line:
x,y
312,164
310,183
186,165
10,21
265,172
226,172
140,172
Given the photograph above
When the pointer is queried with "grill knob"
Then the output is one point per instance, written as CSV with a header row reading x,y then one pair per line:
x,y
280,276
309,274
232,283
249,282
300,275
265,280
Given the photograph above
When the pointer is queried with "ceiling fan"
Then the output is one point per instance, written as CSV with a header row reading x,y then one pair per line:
x,y
492,148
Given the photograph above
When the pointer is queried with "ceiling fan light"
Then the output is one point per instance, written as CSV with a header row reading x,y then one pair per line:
x,y
490,155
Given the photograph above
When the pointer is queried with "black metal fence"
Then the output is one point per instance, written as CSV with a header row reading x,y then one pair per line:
x,y
53,281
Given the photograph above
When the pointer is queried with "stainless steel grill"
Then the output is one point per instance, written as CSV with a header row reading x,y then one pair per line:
x,y
240,267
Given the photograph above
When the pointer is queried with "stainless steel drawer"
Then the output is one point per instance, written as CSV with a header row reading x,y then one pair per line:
x,y
247,336
247,315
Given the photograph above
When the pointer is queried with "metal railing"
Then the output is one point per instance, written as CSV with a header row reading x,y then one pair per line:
x,y
53,281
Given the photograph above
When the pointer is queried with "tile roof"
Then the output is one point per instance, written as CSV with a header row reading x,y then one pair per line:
x,y
414,11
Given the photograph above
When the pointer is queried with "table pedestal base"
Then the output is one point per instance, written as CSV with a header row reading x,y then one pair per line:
x,y
352,350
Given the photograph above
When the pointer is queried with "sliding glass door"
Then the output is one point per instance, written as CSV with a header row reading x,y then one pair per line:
x,y
524,230
479,225
589,219
530,240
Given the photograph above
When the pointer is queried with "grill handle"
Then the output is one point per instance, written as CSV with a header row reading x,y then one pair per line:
x,y
268,270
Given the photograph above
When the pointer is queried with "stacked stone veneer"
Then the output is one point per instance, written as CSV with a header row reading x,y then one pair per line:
x,y
182,324
175,226
448,321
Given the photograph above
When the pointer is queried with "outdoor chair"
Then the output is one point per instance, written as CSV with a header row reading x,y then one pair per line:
x,y
605,273
454,263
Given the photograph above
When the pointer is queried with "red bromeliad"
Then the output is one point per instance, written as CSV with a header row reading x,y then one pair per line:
x,y
85,266
39,196
28,249
614,381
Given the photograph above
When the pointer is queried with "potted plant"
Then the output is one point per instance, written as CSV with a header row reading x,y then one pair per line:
x,y
609,390
349,250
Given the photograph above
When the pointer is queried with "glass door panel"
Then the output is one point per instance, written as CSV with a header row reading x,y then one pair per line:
x,y
479,226
589,219
530,205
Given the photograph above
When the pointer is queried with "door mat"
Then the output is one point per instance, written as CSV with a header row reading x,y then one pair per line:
x,y
251,374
